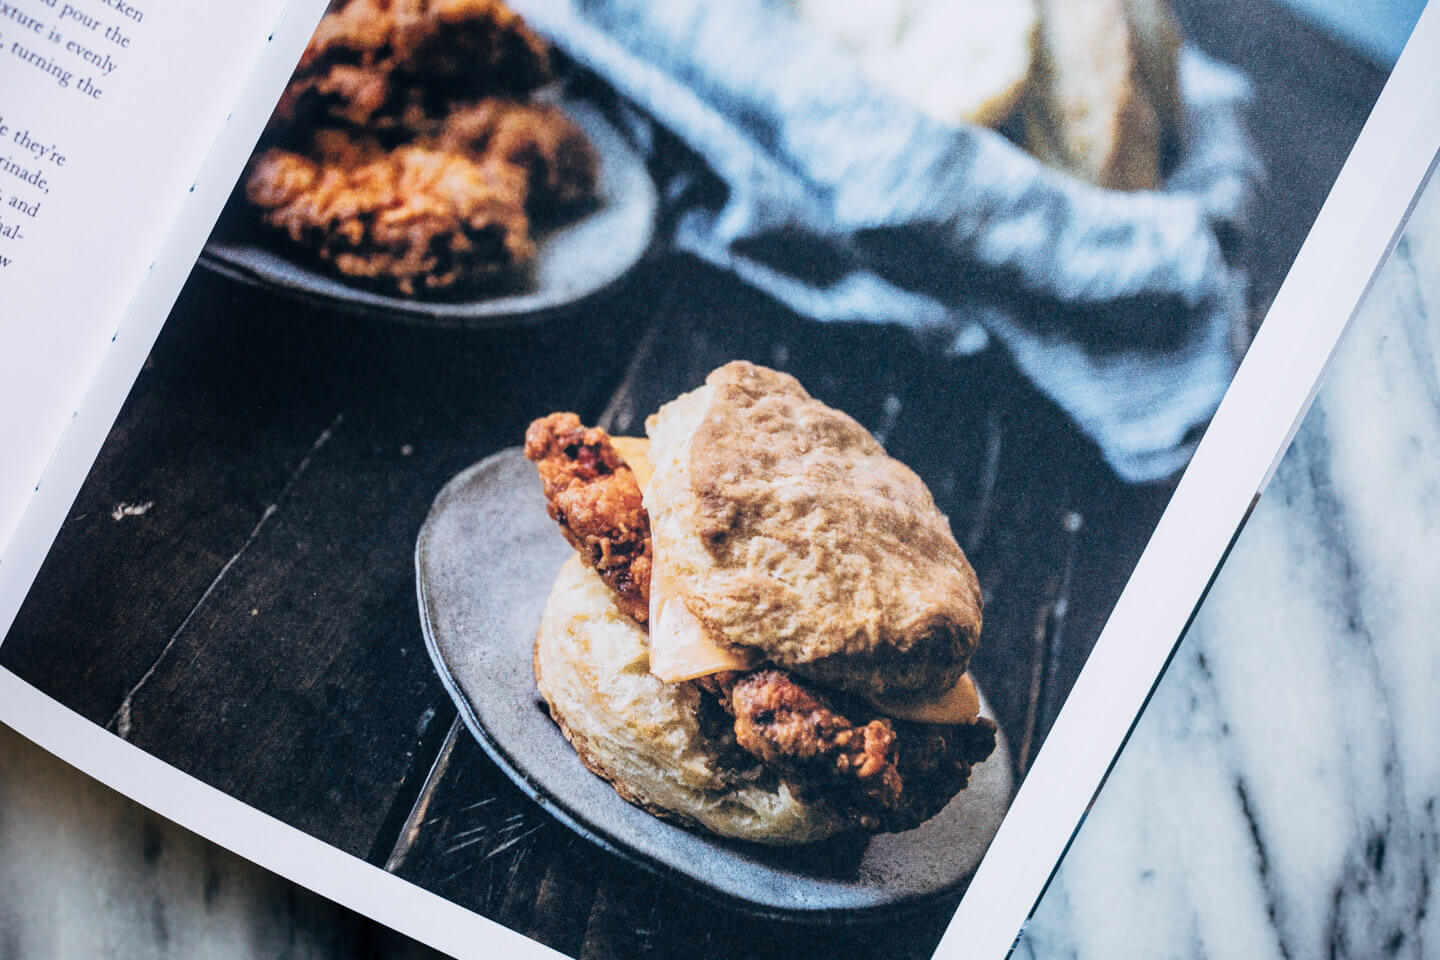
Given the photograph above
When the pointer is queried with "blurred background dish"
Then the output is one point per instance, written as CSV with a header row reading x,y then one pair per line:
x,y
574,261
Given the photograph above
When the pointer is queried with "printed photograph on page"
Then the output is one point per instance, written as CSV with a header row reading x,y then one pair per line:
x,y
651,474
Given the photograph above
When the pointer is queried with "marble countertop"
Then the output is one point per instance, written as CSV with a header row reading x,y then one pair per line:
x,y
1278,798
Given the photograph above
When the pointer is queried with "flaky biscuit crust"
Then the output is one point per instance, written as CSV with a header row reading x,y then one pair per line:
x,y
410,220
785,527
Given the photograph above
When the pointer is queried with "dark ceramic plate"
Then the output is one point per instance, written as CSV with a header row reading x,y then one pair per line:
x,y
485,561
575,261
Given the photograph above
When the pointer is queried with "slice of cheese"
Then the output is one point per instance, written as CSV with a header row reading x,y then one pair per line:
x,y
679,649
959,704
635,451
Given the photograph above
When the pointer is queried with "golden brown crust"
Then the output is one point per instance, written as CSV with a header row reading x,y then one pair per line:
x,y
786,528
412,219
370,60
562,168
594,496
403,157
780,721
878,773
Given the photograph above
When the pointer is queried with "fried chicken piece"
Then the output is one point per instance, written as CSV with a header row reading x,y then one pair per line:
x,y
411,220
562,167
886,774
782,723
369,60
593,495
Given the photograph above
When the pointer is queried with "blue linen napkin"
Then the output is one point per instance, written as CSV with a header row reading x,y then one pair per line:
x,y
847,204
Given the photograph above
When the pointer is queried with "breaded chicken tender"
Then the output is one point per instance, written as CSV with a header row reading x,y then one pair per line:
x,y
370,60
404,152
412,219
594,496
562,167
880,773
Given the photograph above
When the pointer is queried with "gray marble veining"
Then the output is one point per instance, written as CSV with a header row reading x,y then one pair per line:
x,y
86,874
1278,799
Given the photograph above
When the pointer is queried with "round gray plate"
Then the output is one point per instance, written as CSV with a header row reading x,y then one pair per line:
x,y
485,562
575,260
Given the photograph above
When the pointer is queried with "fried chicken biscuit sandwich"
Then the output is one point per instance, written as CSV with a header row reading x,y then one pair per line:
x,y
766,627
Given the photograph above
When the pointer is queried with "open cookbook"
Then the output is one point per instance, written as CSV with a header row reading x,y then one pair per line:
x,y
611,478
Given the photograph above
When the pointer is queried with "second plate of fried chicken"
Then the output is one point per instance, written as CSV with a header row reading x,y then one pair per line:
x,y
424,164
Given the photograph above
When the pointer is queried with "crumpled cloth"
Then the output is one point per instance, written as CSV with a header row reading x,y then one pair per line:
x,y
848,204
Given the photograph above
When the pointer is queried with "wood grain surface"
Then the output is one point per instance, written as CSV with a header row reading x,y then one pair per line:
x,y
251,617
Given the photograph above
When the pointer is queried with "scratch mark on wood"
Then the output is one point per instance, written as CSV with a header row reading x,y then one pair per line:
x,y
514,871
450,878
477,804
478,835
514,840
620,414
120,721
122,510
989,476
411,830
892,407
1059,611
1032,704
465,834
1049,639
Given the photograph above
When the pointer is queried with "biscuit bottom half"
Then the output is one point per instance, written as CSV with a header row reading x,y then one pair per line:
x,y
647,737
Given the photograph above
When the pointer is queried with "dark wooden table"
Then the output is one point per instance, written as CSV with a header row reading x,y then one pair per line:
x,y
252,620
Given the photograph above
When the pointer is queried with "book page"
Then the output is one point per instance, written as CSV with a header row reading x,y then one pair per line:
x,y
616,470
108,109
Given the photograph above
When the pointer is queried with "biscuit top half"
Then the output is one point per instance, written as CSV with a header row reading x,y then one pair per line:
x,y
790,535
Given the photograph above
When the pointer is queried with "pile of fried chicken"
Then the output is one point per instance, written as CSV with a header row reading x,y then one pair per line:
x,y
885,774
408,153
